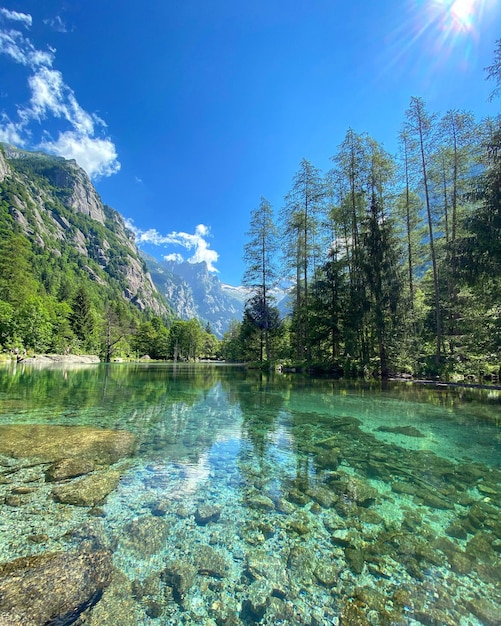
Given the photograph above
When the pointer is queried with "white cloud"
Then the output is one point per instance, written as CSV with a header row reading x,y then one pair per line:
x,y
57,24
193,242
20,49
52,97
9,132
175,257
17,17
98,157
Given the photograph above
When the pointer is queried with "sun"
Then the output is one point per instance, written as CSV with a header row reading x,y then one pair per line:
x,y
461,14
464,11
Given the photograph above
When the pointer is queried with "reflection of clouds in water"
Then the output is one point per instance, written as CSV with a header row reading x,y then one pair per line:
x,y
194,474
175,480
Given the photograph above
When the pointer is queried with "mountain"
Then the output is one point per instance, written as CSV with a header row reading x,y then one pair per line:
x,y
73,236
192,291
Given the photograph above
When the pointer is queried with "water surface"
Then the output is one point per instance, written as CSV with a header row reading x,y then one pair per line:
x,y
226,497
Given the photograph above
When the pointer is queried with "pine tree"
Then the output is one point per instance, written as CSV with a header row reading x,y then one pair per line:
x,y
301,220
261,272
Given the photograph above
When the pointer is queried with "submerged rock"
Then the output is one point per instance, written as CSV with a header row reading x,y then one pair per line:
x,y
180,575
49,443
117,606
206,513
145,535
89,490
258,599
52,588
209,561
409,431
69,468
485,610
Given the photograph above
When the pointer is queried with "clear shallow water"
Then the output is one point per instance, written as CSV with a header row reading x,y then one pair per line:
x,y
229,498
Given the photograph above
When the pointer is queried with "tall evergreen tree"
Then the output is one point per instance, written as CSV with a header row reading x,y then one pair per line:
x,y
382,271
261,270
419,126
301,220
494,70
82,318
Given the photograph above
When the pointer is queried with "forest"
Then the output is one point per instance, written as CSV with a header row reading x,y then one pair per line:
x,y
394,260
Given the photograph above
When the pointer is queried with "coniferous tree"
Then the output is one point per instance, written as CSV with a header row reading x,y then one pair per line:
x,y
419,126
261,272
301,220
82,317
494,70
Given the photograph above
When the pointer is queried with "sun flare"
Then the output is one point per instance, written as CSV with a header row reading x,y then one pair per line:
x,y
462,14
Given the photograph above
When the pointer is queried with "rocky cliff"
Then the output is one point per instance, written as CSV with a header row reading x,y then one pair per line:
x,y
192,291
54,204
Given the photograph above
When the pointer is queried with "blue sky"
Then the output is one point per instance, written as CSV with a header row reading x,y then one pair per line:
x,y
186,113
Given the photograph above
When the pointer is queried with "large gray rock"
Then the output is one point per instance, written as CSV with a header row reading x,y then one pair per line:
x,y
53,443
52,588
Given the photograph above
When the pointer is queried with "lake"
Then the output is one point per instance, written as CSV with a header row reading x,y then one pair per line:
x,y
206,494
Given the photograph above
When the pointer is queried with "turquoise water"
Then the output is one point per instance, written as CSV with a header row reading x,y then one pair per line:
x,y
227,498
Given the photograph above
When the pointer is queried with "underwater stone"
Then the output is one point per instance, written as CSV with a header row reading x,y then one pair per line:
x,y
52,587
301,563
117,606
261,565
284,506
433,501
409,431
369,516
258,599
89,490
434,617
209,561
353,615
256,500
90,536
327,459
299,524
206,513
479,513
402,599
342,537
42,538
53,443
456,530
297,497
486,611
480,547
326,573
459,562
145,535
355,490
325,497
69,468
487,490
23,490
403,488
14,501
180,575
355,559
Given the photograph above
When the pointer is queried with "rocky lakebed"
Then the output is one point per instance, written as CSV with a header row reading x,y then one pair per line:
x,y
359,532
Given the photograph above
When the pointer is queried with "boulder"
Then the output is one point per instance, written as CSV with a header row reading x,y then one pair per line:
x,y
48,443
52,588
89,490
